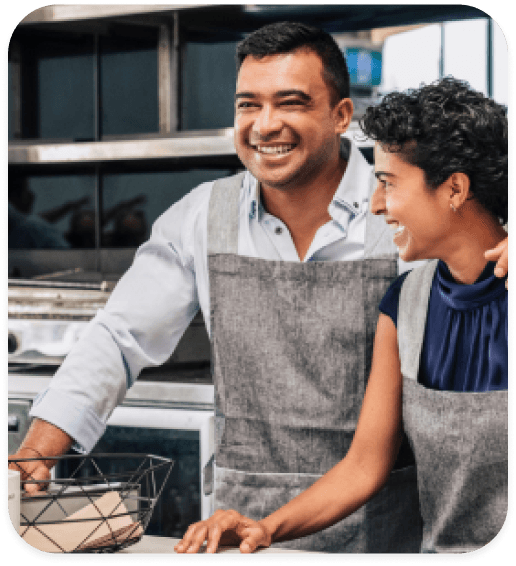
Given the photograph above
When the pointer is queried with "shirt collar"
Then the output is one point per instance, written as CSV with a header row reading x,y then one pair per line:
x,y
354,187
253,195
351,194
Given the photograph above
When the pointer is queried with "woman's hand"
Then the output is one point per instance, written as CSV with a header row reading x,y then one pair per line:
x,y
500,254
225,528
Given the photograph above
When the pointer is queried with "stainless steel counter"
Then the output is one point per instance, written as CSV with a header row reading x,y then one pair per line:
x,y
163,545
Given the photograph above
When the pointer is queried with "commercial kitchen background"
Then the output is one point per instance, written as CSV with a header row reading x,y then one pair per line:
x,y
114,113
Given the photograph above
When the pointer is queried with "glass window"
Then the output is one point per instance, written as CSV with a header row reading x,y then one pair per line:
x,y
58,91
465,52
209,78
411,58
51,211
10,102
129,86
414,57
133,201
59,85
501,66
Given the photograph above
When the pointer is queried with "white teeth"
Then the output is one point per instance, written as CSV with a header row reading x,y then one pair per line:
x,y
275,149
396,228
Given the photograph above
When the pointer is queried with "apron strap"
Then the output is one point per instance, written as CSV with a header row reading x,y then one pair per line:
x,y
223,215
412,314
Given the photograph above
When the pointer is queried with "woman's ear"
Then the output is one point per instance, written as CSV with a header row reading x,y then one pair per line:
x,y
458,189
343,112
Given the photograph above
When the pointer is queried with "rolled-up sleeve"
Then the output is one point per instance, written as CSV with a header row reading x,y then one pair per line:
x,y
141,324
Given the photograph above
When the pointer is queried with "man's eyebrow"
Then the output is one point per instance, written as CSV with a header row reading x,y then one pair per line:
x,y
279,94
244,95
293,92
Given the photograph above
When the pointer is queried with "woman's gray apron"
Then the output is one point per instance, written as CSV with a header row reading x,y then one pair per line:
x,y
459,440
291,352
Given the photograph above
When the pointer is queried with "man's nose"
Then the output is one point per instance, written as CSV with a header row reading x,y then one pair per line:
x,y
267,123
378,200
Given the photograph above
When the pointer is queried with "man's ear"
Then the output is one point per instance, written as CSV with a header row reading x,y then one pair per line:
x,y
459,189
343,112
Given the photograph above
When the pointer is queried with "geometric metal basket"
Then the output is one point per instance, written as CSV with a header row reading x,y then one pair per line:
x,y
93,509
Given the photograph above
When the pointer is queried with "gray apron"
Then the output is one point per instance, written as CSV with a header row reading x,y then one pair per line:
x,y
459,440
291,352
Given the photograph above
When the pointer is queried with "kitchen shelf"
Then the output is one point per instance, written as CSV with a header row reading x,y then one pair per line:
x,y
172,148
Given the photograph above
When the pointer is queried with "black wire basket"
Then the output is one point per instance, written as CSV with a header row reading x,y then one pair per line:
x,y
93,509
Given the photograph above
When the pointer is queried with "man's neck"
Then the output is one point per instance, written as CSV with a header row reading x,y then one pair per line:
x,y
304,208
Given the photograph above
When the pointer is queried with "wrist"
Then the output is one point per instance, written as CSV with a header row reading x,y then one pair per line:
x,y
34,454
269,530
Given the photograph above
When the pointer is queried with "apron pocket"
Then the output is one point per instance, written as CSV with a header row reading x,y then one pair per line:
x,y
390,522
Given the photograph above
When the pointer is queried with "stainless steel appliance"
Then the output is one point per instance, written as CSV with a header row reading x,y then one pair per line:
x,y
168,412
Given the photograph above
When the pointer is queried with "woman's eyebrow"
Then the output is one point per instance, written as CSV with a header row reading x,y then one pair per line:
x,y
378,174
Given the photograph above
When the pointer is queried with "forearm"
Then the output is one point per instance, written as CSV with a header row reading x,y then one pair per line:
x,y
45,438
340,492
366,467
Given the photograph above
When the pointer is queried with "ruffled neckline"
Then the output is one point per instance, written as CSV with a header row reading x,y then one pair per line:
x,y
466,297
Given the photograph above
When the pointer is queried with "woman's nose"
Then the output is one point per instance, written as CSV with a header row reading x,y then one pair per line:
x,y
378,200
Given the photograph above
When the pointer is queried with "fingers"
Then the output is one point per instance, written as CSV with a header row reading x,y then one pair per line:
x,y
500,254
193,538
222,526
254,535
214,535
248,545
35,475
39,477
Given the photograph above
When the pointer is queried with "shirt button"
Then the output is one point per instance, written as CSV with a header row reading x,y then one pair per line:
x,y
278,230
355,204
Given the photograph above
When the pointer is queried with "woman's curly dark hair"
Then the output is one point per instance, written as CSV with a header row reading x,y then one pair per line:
x,y
443,128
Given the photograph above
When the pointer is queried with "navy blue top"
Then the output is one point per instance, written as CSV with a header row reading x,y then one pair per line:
x,y
465,343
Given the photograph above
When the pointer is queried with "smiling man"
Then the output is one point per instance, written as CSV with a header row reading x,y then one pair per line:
x,y
288,266
288,121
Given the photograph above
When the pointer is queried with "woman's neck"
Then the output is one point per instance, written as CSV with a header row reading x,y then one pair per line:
x,y
475,231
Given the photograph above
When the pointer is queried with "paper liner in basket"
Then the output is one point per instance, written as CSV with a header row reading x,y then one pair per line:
x,y
67,536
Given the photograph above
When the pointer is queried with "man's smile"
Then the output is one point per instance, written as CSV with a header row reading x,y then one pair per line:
x,y
279,149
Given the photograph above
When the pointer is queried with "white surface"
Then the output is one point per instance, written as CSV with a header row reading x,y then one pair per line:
x,y
164,545
14,498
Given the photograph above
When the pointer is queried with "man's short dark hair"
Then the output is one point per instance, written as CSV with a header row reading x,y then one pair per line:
x,y
444,128
286,37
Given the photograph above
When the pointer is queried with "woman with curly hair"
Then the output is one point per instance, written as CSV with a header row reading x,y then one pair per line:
x,y
440,369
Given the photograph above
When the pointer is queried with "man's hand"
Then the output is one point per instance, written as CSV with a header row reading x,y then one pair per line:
x,y
224,528
500,254
42,443
30,470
